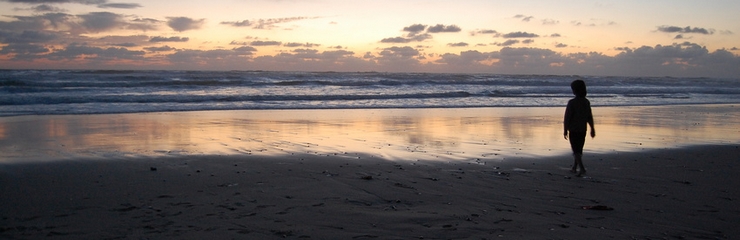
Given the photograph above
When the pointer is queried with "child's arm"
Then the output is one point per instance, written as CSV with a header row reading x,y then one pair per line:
x,y
566,119
591,122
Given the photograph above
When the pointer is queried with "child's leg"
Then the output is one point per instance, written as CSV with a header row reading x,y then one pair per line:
x,y
575,163
579,163
577,140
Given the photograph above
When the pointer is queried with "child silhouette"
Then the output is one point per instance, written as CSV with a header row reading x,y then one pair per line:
x,y
577,116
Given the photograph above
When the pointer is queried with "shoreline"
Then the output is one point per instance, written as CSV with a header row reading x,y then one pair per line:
x,y
413,134
371,108
652,194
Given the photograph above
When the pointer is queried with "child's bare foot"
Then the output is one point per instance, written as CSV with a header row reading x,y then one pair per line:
x,y
573,170
583,172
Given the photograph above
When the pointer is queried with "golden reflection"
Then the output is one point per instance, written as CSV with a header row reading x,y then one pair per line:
x,y
399,134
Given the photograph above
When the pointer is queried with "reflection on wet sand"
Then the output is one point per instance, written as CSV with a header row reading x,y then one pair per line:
x,y
403,134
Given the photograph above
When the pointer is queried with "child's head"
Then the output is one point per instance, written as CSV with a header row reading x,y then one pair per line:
x,y
579,88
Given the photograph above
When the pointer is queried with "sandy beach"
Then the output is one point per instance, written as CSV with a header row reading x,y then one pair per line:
x,y
653,173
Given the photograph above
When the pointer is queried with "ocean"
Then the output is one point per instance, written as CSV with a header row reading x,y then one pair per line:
x,y
51,92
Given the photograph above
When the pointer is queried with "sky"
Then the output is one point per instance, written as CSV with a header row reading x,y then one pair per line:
x,y
678,38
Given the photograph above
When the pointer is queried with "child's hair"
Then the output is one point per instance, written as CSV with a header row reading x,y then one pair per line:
x,y
579,88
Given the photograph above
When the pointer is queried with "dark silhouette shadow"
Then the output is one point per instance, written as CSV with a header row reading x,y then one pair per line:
x,y
577,115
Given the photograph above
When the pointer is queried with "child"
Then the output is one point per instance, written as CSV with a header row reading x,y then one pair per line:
x,y
577,115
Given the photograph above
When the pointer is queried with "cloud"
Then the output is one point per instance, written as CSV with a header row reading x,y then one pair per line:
x,y
238,43
395,40
101,21
520,35
144,24
296,44
484,31
688,29
182,24
555,35
415,38
245,23
679,59
685,50
528,41
421,37
314,55
119,5
24,51
265,43
466,58
507,43
169,39
550,22
416,28
311,60
28,36
123,41
399,58
159,49
460,44
75,51
593,23
524,18
77,24
86,2
127,44
46,8
561,45
244,50
439,28
532,57
218,58
415,33
403,52
99,3
272,22
269,23
686,58
94,22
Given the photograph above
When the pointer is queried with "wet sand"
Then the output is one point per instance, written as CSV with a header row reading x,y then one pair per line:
x,y
370,174
467,134
688,193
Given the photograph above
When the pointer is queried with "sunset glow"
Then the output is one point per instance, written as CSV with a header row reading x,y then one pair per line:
x,y
635,38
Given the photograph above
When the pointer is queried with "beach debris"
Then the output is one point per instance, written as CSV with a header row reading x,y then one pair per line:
x,y
367,177
401,185
125,207
358,202
153,169
283,233
683,182
503,220
329,174
597,207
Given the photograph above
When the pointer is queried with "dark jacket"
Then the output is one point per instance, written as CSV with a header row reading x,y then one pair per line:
x,y
578,115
